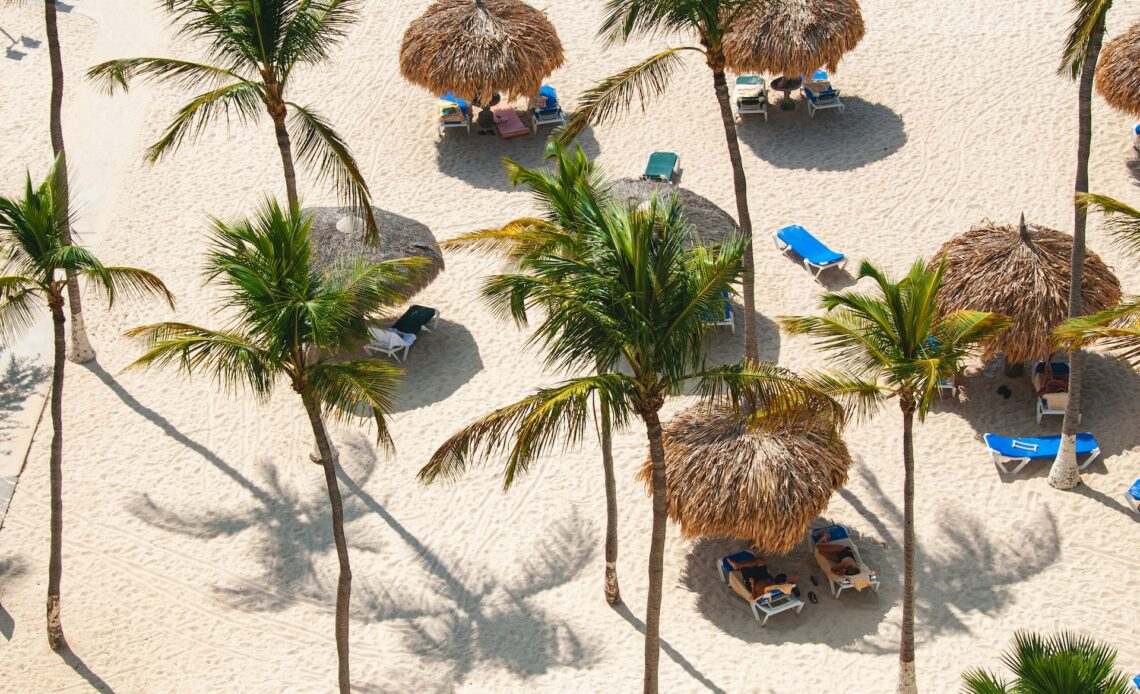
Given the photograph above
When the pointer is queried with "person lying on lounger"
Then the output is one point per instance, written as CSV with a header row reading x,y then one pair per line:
x,y
842,556
755,574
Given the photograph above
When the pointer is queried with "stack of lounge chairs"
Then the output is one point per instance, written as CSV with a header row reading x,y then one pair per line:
x,y
1022,450
396,341
772,602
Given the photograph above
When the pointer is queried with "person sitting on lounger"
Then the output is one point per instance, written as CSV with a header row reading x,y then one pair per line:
x,y
842,556
755,574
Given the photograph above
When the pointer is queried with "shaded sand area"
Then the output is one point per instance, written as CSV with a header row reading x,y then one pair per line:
x,y
198,555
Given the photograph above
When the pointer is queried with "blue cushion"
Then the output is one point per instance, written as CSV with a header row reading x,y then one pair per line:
x,y
835,532
1134,492
1137,131
808,246
551,97
1035,447
1060,368
450,96
819,76
742,555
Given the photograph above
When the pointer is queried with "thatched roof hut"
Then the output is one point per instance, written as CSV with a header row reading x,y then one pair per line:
x,y
337,235
1118,72
762,484
477,48
794,37
1022,272
712,224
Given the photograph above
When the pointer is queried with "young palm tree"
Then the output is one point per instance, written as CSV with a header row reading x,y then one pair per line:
x,y
709,21
630,291
1118,328
1060,664
1082,48
37,254
255,45
560,192
894,346
290,321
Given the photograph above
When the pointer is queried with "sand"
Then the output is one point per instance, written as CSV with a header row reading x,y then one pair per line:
x,y
197,548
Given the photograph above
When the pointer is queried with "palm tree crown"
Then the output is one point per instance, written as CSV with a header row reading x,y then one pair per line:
x,y
254,47
1064,663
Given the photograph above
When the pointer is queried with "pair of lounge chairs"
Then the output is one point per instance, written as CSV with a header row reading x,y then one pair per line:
x,y
772,602
396,341
815,256
454,112
1020,451
820,94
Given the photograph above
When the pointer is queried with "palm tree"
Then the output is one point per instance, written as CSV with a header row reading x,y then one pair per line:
x,y
560,192
1063,663
710,21
1119,327
291,321
631,292
254,47
37,257
1082,49
894,346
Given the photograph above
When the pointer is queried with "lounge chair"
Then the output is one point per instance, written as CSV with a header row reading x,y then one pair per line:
x,y
546,110
389,342
822,100
453,112
772,602
1024,449
1050,403
1136,137
1136,682
508,123
725,317
838,534
415,319
662,166
749,95
816,256
1132,496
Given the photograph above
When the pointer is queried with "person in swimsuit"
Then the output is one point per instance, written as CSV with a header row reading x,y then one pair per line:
x,y
842,556
755,573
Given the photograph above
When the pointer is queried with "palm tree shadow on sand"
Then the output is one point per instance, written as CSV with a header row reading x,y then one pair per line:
x,y
463,624
478,159
865,133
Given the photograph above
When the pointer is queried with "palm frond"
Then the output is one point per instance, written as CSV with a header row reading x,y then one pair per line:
x,y
324,151
240,100
525,430
1117,330
615,95
115,281
979,681
1089,14
21,302
115,74
860,397
771,393
358,390
1123,220
517,239
232,359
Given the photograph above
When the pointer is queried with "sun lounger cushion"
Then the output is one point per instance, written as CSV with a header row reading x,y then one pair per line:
x,y
662,166
750,80
547,99
1037,446
414,319
1134,490
807,246
450,98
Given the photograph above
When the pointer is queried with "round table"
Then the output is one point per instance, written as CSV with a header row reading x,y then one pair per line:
x,y
787,85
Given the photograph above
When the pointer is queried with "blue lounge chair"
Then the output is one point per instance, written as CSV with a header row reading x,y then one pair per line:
x,y
1132,496
1022,450
546,110
453,113
770,603
816,256
662,166
724,318
819,93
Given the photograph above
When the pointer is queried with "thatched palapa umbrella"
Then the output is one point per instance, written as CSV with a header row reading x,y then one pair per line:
x,y
1022,272
712,224
337,235
478,48
794,37
757,482
1118,72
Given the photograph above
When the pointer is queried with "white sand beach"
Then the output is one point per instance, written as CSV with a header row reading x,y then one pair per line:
x,y
197,550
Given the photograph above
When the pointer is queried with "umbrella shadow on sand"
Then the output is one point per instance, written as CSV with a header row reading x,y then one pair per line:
x,y
865,133
725,346
478,159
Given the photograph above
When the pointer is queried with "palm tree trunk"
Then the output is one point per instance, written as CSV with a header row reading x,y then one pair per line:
x,y
908,683
81,350
740,186
613,593
278,112
344,584
55,562
656,551
1064,473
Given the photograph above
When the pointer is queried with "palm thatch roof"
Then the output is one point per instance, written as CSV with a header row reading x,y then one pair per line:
x,y
712,224
477,48
763,484
337,236
1118,72
1022,272
793,37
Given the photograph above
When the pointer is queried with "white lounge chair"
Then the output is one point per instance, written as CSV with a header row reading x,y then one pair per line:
x,y
837,534
389,342
1050,403
770,603
546,109
820,94
749,95
453,112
